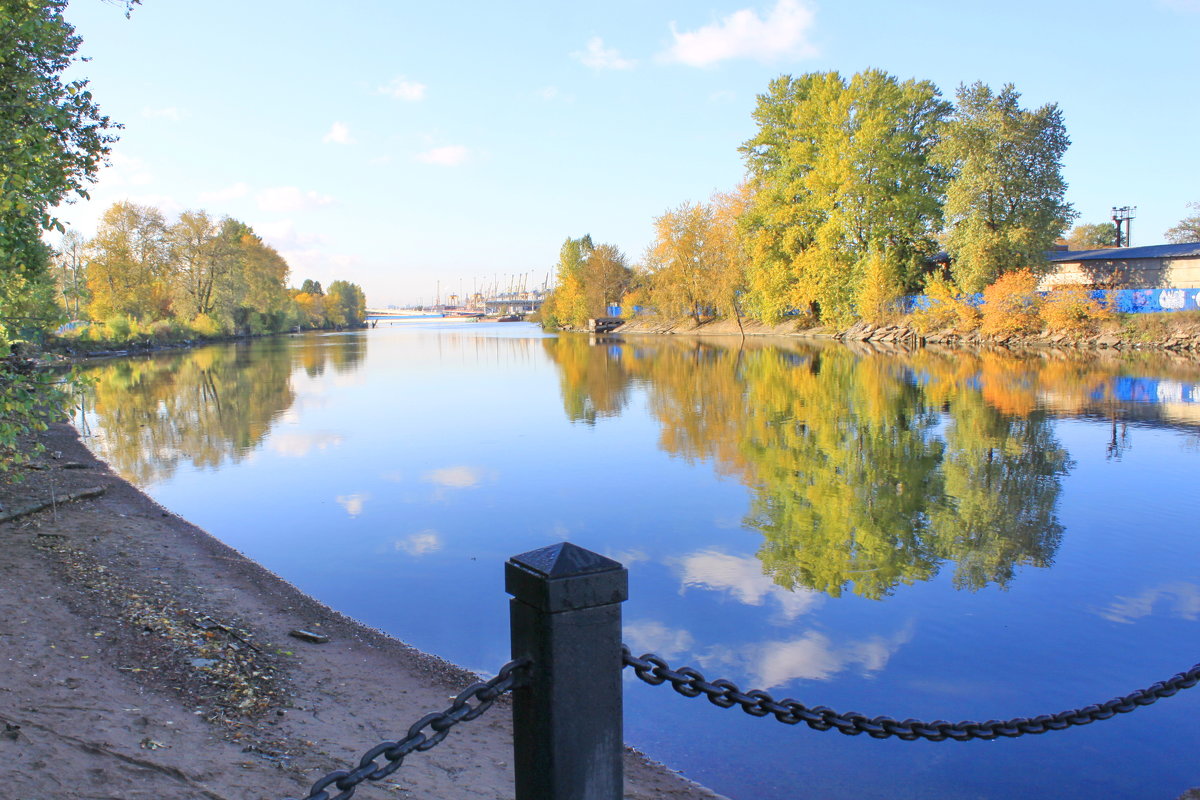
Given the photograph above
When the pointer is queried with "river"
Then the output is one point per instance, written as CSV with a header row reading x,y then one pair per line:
x,y
929,534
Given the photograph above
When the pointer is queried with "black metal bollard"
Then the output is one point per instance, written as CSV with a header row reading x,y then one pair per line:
x,y
566,619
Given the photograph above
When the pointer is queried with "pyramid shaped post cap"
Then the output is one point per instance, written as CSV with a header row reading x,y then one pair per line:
x,y
563,560
565,577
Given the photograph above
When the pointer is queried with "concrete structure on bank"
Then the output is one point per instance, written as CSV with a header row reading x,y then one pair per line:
x,y
1160,266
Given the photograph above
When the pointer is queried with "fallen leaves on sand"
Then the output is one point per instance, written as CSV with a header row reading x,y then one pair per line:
x,y
216,665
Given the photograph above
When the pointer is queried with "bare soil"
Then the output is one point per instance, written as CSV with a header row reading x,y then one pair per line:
x,y
141,659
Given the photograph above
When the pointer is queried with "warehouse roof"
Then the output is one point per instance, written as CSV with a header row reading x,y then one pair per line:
x,y
1126,253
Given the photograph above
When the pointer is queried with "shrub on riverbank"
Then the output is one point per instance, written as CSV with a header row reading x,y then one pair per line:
x,y
948,308
1072,309
1011,305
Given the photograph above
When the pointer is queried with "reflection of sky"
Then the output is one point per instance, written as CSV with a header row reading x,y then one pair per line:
x,y
744,579
1180,599
450,453
299,444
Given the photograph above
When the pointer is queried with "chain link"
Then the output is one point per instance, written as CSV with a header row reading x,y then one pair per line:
x,y
439,723
688,682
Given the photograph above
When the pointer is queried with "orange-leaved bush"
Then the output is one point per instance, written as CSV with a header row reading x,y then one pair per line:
x,y
1011,305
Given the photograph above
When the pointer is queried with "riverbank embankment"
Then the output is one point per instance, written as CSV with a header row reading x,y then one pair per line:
x,y
1159,332
143,659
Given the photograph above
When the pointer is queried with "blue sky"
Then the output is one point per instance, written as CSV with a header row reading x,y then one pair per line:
x,y
399,144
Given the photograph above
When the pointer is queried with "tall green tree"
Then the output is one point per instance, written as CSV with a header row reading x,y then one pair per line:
x,y
253,297
841,170
1006,202
567,304
53,138
345,304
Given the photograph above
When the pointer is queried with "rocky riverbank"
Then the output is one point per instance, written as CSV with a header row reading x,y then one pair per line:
x,y
1162,334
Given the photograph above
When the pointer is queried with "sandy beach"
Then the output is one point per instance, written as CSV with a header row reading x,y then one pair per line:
x,y
141,658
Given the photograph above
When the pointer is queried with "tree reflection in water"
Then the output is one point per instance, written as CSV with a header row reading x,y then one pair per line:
x,y
203,406
867,471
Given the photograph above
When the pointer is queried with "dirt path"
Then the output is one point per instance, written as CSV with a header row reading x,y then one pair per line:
x,y
140,658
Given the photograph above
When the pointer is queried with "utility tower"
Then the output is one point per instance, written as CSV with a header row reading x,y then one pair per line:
x,y
1123,215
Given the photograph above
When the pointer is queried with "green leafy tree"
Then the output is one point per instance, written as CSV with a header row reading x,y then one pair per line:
x,y
567,304
53,139
1090,236
253,295
1005,204
345,304
840,170
1188,229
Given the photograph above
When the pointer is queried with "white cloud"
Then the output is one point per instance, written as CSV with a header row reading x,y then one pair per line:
x,y
170,113
455,477
812,656
339,133
353,503
426,541
743,578
283,199
597,56
232,192
282,235
744,34
448,156
654,637
123,170
1181,600
403,89
298,445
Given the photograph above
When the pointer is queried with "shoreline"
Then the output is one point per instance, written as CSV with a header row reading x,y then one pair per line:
x,y
1179,335
146,659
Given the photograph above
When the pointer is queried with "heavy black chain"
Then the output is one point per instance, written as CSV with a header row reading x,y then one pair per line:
x,y
440,723
690,683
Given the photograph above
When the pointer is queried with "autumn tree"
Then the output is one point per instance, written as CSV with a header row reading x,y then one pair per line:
x,y
1188,229
606,277
128,264
1005,204
1091,236
731,255
200,260
681,262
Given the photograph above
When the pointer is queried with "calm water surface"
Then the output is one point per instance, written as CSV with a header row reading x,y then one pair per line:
x,y
919,535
